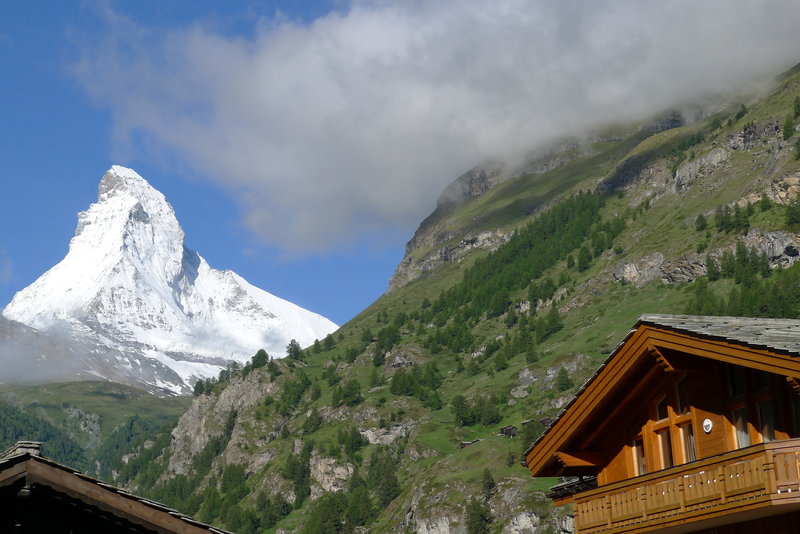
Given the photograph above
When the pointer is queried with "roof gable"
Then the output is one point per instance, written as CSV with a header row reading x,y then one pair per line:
x,y
771,345
24,472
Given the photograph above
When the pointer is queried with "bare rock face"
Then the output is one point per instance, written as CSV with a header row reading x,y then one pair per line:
x,y
385,436
572,365
472,183
429,514
80,423
206,417
786,190
637,171
519,392
688,172
641,272
402,357
782,248
526,377
757,134
439,525
411,268
328,474
684,269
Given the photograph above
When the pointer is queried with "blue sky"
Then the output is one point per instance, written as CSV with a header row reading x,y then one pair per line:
x,y
55,145
301,143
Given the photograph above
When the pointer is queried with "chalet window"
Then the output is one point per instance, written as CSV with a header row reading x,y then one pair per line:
x,y
682,397
796,402
665,445
740,427
761,380
639,460
661,410
669,435
735,381
751,406
689,447
766,419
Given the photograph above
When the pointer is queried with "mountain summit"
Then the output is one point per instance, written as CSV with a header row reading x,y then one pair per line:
x,y
128,283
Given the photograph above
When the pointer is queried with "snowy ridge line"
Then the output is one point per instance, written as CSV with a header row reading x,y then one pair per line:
x,y
128,283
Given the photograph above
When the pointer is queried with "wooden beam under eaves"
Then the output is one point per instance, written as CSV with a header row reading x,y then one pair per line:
x,y
673,361
578,459
794,384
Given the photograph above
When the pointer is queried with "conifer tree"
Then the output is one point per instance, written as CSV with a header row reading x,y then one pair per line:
x,y
563,381
765,203
489,484
584,258
788,128
712,269
293,350
700,223
478,517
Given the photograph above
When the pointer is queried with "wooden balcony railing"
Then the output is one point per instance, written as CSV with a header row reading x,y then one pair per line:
x,y
763,475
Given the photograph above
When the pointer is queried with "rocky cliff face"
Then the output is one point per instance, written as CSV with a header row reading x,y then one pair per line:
x,y
411,268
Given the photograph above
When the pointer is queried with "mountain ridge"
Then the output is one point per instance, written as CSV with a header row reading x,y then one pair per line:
x,y
129,283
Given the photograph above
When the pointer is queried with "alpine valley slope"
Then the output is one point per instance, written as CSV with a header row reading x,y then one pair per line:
x,y
154,312
509,298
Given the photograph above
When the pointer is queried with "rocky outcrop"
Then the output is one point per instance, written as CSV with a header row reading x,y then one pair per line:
x,y
783,191
411,268
328,474
756,134
472,183
641,169
642,271
684,269
402,357
514,509
704,165
572,365
82,426
385,436
782,249
206,416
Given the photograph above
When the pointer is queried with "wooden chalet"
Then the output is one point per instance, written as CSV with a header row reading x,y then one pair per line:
x,y
691,425
40,495
508,431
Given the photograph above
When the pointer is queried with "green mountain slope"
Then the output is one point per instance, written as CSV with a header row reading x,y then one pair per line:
x,y
87,425
507,300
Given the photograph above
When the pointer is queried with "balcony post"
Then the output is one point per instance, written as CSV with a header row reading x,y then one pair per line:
x,y
720,477
769,474
607,509
642,501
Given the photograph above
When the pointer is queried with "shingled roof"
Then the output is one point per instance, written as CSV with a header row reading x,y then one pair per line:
x,y
780,335
38,490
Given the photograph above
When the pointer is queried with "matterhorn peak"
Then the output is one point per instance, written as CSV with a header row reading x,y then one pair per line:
x,y
129,283
122,179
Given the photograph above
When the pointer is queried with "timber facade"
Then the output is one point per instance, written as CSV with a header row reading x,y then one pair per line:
x,y
691,425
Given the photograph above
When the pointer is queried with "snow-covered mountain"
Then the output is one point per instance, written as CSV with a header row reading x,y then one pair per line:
x,y
130,285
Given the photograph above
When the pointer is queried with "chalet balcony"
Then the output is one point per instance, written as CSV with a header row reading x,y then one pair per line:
x,y
749,483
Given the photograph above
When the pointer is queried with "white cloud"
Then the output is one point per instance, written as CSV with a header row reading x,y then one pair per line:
x,y
355,122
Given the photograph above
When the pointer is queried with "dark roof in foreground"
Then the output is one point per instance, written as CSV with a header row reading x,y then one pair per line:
x,y
23,463
780,335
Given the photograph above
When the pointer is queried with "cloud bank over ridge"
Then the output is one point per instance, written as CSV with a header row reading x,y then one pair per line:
x,y
352,124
